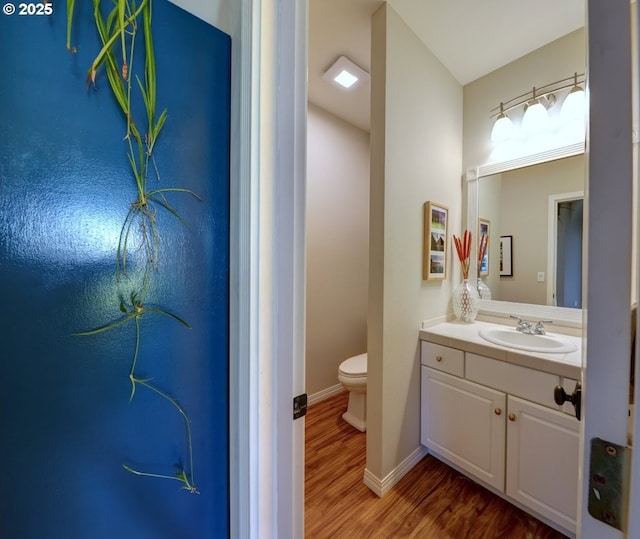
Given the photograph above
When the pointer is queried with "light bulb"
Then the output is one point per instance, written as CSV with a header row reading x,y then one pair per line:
x,y
535,118
574,105
502,129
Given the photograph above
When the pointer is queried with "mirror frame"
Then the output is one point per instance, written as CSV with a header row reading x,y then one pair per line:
x,y
500,310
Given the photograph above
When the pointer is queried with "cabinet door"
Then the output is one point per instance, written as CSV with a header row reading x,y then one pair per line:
x,y
464,423
542,460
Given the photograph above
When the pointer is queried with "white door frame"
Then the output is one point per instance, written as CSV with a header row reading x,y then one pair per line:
x,y
289,136
608,276
552,239
244,518
268,168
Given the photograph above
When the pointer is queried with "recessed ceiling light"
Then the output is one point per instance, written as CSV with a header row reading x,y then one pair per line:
x,y
345,79
345,74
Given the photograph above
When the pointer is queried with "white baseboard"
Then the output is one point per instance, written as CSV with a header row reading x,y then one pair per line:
x,y
325,394
381,486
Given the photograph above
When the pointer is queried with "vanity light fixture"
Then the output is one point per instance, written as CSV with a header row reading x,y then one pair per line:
x,y
345,74
536,103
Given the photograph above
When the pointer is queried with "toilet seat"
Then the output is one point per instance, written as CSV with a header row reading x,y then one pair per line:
x,y
354,367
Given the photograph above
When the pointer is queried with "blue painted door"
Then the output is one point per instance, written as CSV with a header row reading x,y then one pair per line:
x,y
67,424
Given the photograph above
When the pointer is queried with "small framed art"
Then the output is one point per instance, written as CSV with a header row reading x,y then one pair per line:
x,y
506,256
436,220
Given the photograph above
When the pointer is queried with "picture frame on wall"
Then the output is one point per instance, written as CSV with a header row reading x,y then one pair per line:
x,y
435,255
506,256
484,229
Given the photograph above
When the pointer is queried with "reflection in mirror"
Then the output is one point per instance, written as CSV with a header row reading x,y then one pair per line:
x,y
540,207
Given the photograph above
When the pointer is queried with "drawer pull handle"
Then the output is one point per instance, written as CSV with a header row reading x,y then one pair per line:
x,y
512,417
438,358
497,411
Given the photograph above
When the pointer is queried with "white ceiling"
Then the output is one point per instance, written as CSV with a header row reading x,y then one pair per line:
x,y
470,37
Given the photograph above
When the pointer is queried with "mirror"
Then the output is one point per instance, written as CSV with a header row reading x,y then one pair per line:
x,y
537,210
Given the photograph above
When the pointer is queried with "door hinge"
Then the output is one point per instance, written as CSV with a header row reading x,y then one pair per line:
x,y
609,482
299,406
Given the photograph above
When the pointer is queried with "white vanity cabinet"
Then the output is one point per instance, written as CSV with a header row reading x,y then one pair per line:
x,y
498,422
542,460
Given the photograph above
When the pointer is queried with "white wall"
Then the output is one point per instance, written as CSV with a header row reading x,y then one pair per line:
x,y
416,149
337,246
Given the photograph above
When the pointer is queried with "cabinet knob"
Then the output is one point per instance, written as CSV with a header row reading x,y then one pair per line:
x,y
438,358
512,417
497,411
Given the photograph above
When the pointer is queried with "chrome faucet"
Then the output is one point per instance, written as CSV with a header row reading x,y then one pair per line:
x,y
522,325
530,328
539,329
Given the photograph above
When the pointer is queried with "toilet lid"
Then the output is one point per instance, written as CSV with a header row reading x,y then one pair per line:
x,y
355,365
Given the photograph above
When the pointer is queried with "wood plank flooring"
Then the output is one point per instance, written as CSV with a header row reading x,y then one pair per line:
x,y
431,501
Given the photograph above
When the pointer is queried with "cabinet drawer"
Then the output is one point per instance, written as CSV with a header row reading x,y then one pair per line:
x,y
529,384
442,358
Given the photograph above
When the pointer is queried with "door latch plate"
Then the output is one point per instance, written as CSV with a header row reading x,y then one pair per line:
x,y
299,406
609,483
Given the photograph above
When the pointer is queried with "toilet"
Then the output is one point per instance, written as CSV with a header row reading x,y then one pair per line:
x,y
352,374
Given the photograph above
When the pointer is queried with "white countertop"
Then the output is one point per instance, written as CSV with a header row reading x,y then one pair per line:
x,y
464,336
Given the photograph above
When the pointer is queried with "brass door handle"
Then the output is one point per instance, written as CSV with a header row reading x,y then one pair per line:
x,y
497,411
512,417
438,358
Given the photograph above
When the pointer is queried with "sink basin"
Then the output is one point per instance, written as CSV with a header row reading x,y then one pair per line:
x,y
549,344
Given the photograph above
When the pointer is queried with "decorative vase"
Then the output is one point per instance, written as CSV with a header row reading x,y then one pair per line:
x,y
483,290
466,302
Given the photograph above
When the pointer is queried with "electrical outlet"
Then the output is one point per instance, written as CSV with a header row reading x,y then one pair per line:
x,y
541,276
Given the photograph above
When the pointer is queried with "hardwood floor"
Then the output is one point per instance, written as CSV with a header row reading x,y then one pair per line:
x,y
432,500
